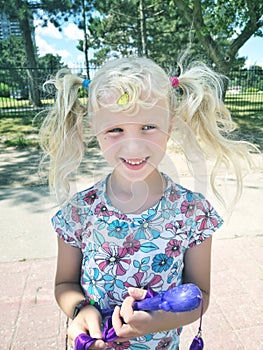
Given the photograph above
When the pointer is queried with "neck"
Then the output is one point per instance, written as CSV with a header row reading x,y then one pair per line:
x,y
135,197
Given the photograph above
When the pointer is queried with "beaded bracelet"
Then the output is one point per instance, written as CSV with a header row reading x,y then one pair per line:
x,y
84,303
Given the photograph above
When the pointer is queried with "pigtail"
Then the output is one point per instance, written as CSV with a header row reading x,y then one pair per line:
x,y
61,132
202,110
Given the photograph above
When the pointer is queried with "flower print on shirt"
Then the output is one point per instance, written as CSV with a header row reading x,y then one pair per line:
x,y
90,197
147,226
206,216
161,262
174,229
118,229
120,346
112,259
173,248
94,279
145,280
188,208
102,210
67,238
173,194
164,343
75,214
132,245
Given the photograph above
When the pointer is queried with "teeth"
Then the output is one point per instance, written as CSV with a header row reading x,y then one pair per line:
x,y
134,163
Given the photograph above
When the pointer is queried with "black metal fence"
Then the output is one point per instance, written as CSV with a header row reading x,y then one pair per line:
x,y
244,93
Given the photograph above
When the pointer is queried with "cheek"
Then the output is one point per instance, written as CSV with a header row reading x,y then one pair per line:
x,y
107,146
160,142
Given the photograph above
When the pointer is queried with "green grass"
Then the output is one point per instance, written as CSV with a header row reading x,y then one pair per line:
x,y
18,130
10,103
247,112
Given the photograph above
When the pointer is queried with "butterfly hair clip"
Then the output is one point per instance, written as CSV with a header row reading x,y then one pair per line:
x,y
123,100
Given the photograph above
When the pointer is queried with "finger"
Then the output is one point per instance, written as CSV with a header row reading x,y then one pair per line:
x,y
126,311
94,328
137,293
74,330
99,344
116,319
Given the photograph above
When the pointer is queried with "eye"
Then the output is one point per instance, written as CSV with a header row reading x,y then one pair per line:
x,y
115,130
148,127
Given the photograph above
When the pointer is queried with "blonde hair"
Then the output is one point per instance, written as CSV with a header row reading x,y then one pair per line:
x,y
197,104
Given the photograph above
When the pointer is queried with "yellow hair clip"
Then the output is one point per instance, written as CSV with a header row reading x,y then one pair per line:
x,y
123,100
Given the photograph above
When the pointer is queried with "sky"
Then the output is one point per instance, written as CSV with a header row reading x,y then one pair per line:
x,y
50,40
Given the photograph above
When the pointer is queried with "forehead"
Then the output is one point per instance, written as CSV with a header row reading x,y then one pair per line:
x,y
157,114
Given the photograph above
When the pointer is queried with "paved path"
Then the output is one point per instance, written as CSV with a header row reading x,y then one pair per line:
x,y
30,318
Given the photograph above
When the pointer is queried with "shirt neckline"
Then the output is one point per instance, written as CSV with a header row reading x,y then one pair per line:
x,y
144,212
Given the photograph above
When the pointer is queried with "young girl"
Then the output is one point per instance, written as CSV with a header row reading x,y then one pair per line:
x,y
136,228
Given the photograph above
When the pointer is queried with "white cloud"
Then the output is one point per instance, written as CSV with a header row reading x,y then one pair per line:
x,y
72,32
45,48
50,31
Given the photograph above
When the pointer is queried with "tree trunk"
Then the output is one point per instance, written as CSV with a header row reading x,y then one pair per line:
x,y
85,41
142,31
34,96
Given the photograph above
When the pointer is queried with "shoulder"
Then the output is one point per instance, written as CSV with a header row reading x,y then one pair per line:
x,y
87,197
177,192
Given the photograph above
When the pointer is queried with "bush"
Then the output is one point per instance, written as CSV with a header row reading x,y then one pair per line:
x,y
4,90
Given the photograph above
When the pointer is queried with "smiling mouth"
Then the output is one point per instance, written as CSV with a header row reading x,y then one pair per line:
x,y
134,161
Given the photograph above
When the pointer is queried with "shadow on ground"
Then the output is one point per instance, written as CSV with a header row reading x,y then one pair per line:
x,y
19,169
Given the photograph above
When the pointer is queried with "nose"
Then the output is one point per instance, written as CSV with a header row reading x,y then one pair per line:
x,y
133,145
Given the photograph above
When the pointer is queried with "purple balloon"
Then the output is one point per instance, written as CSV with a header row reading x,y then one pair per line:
x,y
183,298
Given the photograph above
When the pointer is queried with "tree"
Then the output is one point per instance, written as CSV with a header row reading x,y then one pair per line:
x,y
49,61
19,10
212,30
144,28
222,27
12,56
55,11
12,52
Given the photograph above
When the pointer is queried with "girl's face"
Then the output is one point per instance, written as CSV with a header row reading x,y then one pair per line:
x,y
133,145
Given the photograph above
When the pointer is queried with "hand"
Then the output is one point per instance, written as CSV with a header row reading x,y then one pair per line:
x,y
136,323
87,321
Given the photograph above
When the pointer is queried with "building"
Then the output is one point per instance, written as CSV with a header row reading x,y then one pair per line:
x,y
8,27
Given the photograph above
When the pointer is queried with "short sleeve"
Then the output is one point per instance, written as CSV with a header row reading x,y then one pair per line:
x,y
67,225
206,222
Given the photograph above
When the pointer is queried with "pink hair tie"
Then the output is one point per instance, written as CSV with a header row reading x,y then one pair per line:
x,y
174,81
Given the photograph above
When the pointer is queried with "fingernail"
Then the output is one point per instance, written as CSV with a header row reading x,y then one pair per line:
x,y
131,289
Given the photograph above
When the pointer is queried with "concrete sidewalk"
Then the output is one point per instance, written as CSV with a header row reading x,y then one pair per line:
x,y
30,318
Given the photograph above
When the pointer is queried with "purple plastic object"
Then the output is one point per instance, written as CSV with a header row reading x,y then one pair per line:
x,y
197,344
183,298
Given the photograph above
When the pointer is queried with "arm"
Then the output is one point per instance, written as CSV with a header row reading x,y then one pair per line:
x,y
197,270
68,293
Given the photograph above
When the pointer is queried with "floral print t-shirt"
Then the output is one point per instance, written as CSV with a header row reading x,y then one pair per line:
x,y
139,250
